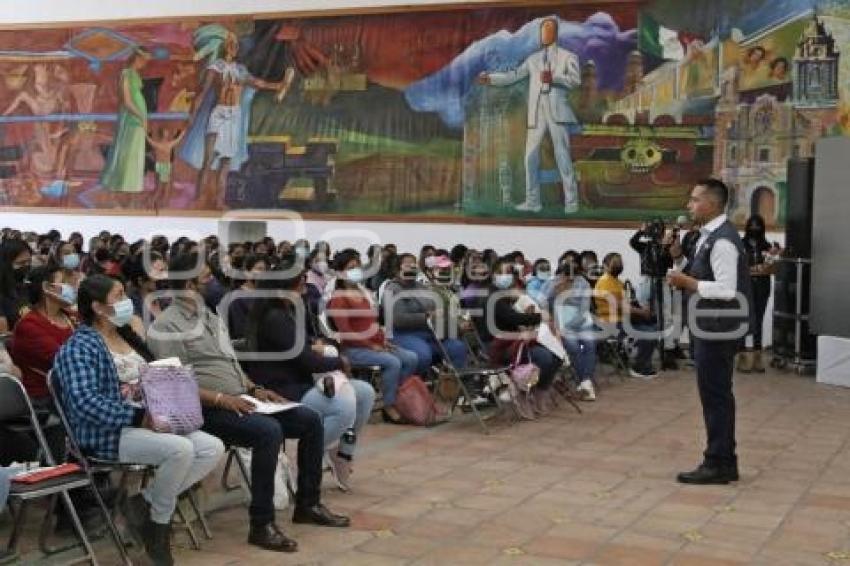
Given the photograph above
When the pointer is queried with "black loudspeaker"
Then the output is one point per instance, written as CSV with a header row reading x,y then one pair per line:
x,y
798,207
792,339
791,287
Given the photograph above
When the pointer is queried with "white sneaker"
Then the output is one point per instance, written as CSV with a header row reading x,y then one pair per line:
x,y
528,207
571,208
586,391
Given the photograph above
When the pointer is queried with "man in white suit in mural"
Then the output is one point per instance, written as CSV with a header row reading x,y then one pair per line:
x,y
552,72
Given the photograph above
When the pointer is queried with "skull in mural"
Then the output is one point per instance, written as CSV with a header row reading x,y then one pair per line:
x,y
641,156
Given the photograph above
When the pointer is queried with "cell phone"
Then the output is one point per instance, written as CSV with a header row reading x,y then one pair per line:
x,y
328,387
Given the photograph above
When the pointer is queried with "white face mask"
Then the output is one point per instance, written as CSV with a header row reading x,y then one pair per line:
x,y
503,280
320,267
355,274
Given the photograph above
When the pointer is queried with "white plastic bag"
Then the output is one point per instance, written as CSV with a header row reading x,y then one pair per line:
x,y
284,478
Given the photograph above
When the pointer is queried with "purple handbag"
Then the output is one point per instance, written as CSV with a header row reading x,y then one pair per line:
x,y
524,375
172,398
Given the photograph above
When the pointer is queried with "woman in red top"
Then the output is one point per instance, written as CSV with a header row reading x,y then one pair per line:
x,y
355,316
39,335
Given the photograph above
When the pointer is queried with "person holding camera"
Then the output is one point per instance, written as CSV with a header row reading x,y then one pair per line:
x,y
717,278
652,242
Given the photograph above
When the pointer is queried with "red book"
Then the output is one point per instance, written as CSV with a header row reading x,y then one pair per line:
x,y
42,474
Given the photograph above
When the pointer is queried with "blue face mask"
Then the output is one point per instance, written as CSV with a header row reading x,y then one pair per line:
x,y
123,313
503,280
355,274
544,275
68,293
71,261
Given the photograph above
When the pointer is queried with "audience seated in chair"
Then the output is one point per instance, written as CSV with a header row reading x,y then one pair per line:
x,y
231,417
108,426
355,316
307,370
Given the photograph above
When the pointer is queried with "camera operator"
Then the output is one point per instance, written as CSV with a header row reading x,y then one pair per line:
x,y
652,242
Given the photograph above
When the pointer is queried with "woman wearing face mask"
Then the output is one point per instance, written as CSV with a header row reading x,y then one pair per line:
x,y
757,249
414,309
240,307
541,274
65,256
15,260
42,331
509,323
318,276
612,304
569,296
103,353
355,317
273,327
143,282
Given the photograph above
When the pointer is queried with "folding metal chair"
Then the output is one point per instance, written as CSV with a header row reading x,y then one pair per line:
x,y
474,382
14,403
234,456
123,469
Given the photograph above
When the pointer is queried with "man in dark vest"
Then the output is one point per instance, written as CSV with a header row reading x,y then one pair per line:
x,y
716,277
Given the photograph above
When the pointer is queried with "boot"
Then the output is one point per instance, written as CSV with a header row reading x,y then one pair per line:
x,y
158,544
745,361
758,361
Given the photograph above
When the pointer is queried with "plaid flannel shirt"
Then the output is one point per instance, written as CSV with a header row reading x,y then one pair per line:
x,y
91,395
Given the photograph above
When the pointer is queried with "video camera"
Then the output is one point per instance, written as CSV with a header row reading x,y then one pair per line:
x,y
655,255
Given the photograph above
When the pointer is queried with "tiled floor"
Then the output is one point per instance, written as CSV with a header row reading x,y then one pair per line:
x,y
595,488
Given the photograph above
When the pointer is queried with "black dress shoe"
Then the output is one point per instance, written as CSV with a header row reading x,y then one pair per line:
x,y
319,515
705,475
270,537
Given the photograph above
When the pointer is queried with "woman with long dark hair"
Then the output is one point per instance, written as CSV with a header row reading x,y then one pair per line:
x,y
274,326
355,315
103,353
42,331
757,249
15,262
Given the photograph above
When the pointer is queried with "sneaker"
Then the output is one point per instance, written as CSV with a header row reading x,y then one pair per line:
x,y
571,208
586,391
643,373
528,207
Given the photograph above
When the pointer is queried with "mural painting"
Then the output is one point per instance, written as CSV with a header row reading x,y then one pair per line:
x,y
582,112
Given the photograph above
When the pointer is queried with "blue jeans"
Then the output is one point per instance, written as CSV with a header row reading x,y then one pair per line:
x,y
582,352
396,365
424,345
348,408
546,361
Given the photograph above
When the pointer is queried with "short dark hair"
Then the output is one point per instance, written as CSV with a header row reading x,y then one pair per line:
x,y
777,61
717,189
36,280
344,257
182,262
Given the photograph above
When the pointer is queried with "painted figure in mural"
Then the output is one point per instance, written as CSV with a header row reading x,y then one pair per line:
x,y
551,72
779,70
44,93
124,173
163,145
217,139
